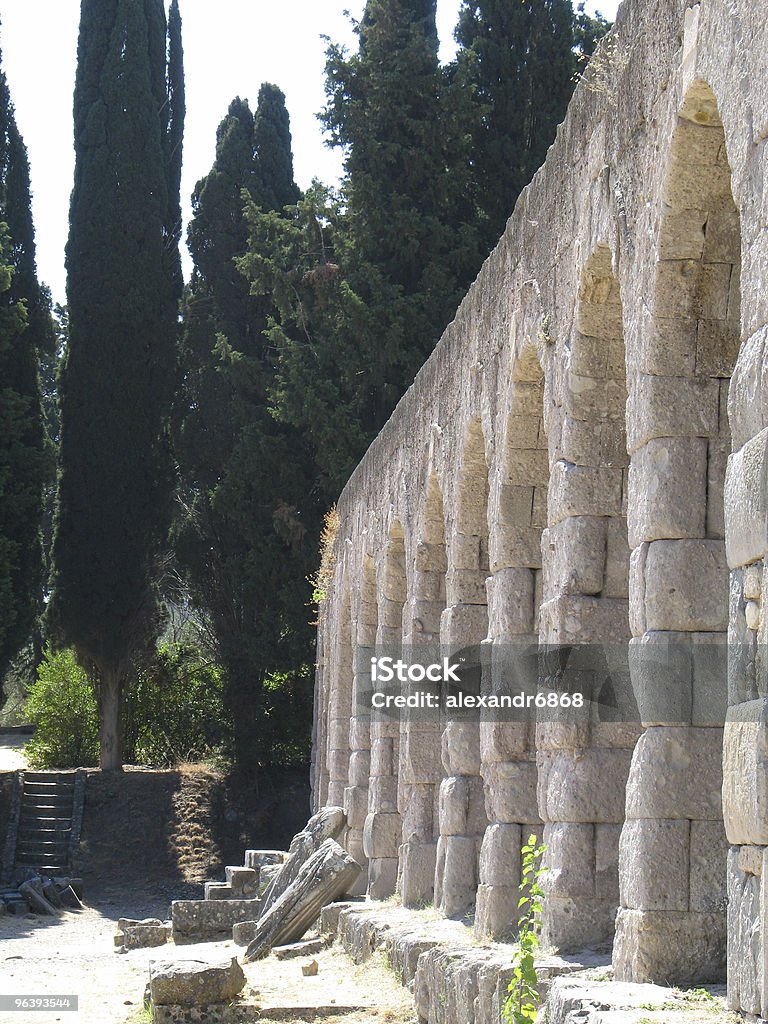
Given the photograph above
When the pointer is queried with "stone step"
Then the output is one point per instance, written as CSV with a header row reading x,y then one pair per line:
x,y
37,821
48,785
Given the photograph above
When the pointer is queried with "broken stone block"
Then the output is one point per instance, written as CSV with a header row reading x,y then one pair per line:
x,y
243,881
209,920
193,982
327,874
257,859
294,949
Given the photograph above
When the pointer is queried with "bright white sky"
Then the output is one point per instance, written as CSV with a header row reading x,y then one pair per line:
x,y
230,48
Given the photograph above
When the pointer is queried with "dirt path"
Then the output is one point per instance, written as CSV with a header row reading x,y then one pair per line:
x,y
11,752
74,955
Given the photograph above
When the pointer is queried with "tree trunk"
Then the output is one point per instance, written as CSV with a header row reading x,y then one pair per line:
x,y
111,721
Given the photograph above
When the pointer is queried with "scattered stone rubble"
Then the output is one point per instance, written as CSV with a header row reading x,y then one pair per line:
x,y
40,894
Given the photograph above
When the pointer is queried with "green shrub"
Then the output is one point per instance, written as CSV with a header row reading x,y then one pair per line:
x,y
521,1004
62,707
175,710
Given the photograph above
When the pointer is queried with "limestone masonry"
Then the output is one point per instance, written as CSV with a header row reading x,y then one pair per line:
x,y
584,459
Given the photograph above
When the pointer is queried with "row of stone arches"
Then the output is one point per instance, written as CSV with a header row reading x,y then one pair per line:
x,y
588,510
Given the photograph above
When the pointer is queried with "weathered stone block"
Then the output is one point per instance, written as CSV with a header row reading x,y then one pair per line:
x,y
356,805
496,912
382,793
709,850
421,756
382,761
207,920
504,741
193,983
668,489
676,773
746,939
382,877
575,924
462,810
583,620
748,393
570,859
745,773
419,814
460,748
463,625
587,786
510,791
460,856
746,508
500,855
417,877
382,835
654,864
583,491
359,770
671,407
510,602
579,555
686,586
681,948
607,838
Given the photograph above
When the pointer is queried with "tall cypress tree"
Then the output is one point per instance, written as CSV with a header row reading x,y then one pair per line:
x,y
25,336
409,260
518,62
117,382
244,541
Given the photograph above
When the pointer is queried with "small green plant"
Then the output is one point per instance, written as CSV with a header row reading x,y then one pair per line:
x,y
521,1004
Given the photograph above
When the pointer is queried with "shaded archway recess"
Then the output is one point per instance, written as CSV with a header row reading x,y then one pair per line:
x,y
383,825
517,515
420,768
464,623
672,925
583,764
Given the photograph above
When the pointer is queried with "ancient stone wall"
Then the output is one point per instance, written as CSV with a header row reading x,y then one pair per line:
x,y
583,460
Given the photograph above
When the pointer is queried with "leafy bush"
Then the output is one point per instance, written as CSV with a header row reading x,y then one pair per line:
x,y
175,711
62,706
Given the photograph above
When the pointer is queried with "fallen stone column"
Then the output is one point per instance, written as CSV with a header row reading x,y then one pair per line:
x,y
328,823
328,874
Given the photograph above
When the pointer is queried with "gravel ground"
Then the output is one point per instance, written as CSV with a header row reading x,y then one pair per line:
x,y
74,955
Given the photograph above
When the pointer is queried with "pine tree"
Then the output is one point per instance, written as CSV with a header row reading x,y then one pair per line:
x,y
26,336
244,541
118,379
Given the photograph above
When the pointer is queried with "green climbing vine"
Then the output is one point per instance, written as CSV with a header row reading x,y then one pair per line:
x,y
521,1004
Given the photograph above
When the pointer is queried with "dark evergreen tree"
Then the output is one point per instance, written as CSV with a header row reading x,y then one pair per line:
x,y
518,62
361,308
244,540
26,336
118,378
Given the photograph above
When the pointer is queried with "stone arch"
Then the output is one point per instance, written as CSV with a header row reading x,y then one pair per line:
x,y
517,515
383,825
675,927
464,624
584,763
420,768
